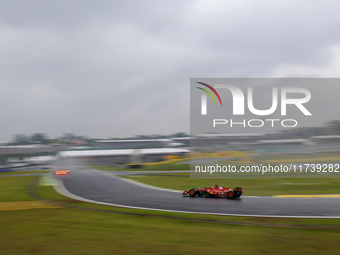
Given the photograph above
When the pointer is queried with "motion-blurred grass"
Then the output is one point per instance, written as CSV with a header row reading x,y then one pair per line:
x,y
74,231
70,231
14,189
24,172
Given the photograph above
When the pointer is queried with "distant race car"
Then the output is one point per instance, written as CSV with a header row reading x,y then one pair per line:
x,y
61,172
216,191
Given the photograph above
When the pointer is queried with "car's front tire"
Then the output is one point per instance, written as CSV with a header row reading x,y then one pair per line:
x,y
192,192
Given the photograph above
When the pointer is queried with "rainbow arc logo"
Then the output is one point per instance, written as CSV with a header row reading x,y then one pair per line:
x,y
209,93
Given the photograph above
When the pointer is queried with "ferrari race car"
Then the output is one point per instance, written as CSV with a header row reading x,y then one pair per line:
x,y
61,172
217,191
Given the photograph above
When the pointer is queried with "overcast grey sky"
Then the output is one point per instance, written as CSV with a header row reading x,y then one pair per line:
x,y
121,68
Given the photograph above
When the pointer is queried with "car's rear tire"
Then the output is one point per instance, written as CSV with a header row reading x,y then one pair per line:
x,y
192,192
230,194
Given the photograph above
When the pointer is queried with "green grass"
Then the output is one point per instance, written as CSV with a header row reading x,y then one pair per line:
x,y
74,231
299,156
14,189
69,231
24,172
252,186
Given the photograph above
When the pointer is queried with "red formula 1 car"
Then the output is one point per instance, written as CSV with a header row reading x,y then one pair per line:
x,y
61,172
217,191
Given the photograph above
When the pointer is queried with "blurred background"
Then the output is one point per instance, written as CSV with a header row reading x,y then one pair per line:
x,y
76,73
108,83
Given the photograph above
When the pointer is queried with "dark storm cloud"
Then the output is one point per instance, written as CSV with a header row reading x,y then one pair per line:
x,y
120,68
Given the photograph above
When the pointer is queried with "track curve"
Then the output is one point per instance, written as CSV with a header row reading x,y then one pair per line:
x,y
99,187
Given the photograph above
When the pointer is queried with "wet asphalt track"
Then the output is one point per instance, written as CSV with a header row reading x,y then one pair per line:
x,y
105,188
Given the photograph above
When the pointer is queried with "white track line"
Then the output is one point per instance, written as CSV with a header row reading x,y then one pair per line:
x,y
137,183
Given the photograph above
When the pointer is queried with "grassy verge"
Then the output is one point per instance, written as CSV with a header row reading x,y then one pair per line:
x,y
74,231
68,231
14,189
300,156
24,172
